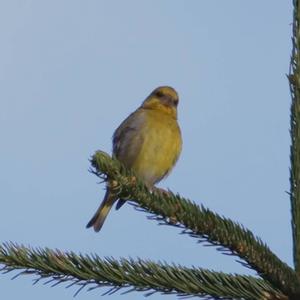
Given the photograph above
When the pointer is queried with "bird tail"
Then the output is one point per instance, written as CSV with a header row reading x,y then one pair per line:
x,y
99,217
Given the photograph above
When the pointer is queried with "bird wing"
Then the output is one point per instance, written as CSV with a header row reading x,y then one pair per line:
x,y
127,139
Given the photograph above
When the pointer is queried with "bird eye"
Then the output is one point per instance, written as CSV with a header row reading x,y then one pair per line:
x,y
159,94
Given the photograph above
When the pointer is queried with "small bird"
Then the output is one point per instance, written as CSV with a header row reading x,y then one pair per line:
x,y
149,142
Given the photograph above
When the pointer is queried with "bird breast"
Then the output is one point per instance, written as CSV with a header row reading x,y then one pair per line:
x,y
153,145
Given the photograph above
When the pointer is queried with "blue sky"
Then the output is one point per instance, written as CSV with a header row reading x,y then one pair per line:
x,y
71,71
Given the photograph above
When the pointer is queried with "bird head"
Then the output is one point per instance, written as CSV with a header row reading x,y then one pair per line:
x,y
164,99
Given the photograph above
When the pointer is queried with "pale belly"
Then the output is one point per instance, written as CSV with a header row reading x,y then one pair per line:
x,y
159,152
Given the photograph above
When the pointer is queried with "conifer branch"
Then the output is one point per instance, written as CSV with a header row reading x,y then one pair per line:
x,y
279,281
92,272
198,222
294,80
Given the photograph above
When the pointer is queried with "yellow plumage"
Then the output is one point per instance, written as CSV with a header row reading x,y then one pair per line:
x,y
148,142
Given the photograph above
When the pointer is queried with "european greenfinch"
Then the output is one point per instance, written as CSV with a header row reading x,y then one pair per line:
x,y
149,142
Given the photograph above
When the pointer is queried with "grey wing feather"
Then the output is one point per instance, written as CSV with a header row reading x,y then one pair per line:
x,y
127,141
